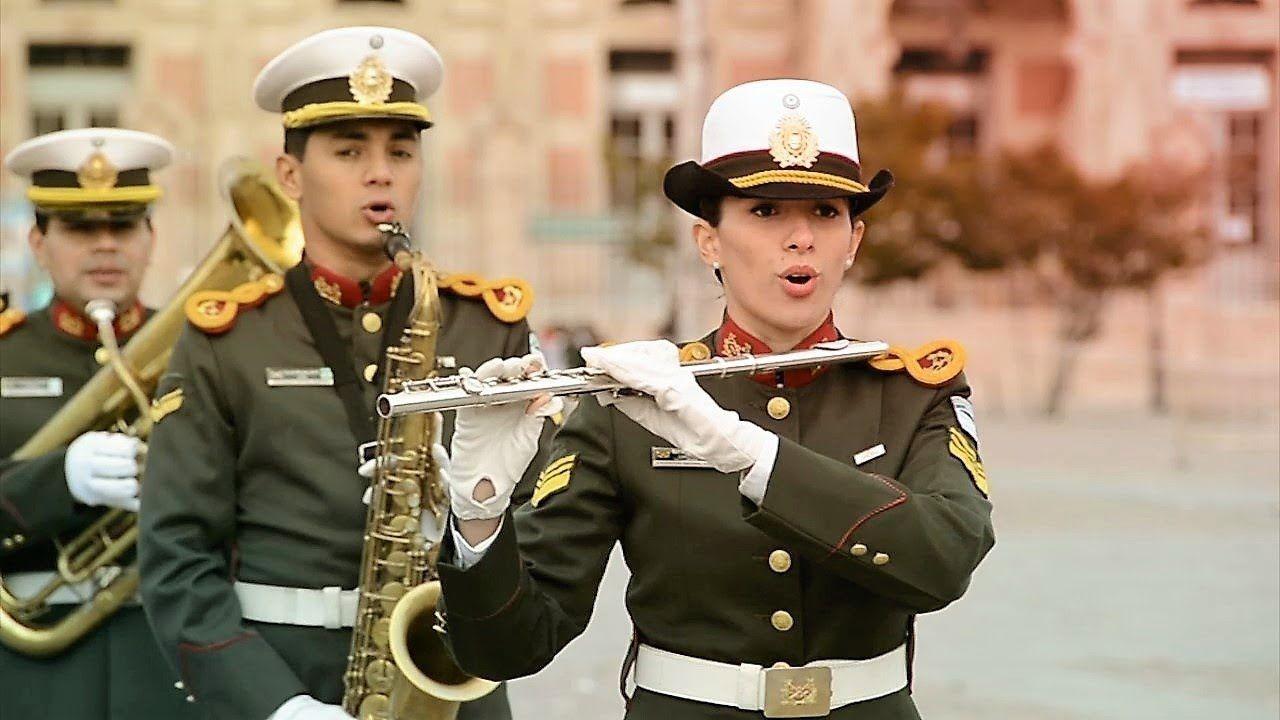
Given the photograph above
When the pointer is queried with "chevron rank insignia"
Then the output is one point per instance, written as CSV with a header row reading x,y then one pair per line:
x,y
553,479
963,449
166,404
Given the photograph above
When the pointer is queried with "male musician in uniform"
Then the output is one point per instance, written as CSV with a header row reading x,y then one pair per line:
x,y
253,522
92,234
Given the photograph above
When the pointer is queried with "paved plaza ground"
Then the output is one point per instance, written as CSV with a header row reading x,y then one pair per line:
x,y
1136,575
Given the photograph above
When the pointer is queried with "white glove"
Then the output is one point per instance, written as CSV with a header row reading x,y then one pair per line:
x,y
305,707
494,443
102,469
677,409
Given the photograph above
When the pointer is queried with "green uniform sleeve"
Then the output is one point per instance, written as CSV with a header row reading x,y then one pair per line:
x,y
35,503
914,539
187,528
533,591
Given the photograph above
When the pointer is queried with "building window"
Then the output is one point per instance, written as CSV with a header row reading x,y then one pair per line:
x,y
642,102
75,85
954,80
1244,135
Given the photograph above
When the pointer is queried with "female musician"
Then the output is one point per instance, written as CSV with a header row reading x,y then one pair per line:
x,y
782,531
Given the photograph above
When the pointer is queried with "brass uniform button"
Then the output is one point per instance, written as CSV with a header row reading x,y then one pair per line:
x,y
779,408
782,621
370,370
858,550
780,561
880,559
101,356
371,322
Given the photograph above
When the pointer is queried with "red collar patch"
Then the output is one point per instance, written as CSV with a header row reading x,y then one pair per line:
x,y
70,321
731,340
341,290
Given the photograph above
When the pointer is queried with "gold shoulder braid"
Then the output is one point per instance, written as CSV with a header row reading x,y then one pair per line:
x,y
10,318
932,365
509,299
214,311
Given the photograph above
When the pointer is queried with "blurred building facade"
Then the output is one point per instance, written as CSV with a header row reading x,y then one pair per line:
x,y
557,117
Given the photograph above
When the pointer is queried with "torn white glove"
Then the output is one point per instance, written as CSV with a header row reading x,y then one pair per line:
x,y
305,707
678,409
495,442
102,469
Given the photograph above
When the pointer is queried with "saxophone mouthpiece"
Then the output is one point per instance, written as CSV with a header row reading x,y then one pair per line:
x,y
396,243
100,310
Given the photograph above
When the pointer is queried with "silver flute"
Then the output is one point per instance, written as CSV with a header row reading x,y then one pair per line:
x,y
464,391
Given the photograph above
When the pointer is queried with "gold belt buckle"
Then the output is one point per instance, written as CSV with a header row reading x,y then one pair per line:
x,y
797,692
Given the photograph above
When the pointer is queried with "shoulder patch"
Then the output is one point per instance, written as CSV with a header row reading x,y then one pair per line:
x,y
11,318
509,299
694,352
932,365
553,479
166,404
214,311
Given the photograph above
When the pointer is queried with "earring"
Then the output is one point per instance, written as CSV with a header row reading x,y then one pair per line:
x,y
715,264
848,263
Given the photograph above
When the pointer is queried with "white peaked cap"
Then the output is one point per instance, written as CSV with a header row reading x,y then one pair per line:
x,y
745,116
69,149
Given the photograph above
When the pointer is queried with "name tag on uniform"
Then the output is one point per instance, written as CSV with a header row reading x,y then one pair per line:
x,y
869,454
669,457
30,387
300,377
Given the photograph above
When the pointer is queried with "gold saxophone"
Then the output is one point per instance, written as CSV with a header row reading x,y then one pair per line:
x,y
398,668
264,236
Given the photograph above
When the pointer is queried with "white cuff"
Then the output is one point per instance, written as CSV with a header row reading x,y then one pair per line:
x,y
292,707
469,554
755,481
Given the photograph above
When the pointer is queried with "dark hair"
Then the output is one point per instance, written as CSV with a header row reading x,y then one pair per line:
x,y
710,209
295,141
42,222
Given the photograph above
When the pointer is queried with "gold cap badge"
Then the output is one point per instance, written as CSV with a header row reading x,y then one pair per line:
x,y
793,142
370,82
97,172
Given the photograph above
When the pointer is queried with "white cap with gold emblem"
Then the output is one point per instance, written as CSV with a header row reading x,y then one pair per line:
x,y
781,139
91,168
351,73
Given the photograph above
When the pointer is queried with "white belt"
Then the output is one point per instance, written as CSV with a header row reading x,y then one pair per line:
x,y
809,691
23,585
329,607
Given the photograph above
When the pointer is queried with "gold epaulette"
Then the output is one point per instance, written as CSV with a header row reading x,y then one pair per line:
x,y
214,311
10,319
932,365
509,299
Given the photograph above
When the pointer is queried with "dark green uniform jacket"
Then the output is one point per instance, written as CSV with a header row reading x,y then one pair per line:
x,y
258,483
867,546
117,670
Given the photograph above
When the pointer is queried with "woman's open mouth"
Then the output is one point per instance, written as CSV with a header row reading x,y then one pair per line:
x,y
799,281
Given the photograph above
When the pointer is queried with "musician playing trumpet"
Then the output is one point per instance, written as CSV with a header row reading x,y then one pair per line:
x,y
782,530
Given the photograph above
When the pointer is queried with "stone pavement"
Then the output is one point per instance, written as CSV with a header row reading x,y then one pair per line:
x,y
1136,575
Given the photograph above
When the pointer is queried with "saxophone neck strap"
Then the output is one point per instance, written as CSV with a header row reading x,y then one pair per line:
x,y
335,354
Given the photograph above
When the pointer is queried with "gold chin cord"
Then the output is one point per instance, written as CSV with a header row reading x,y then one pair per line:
x,y
264,237
398,667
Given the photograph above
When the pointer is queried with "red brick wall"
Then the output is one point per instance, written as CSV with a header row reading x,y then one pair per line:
x,y
567,87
